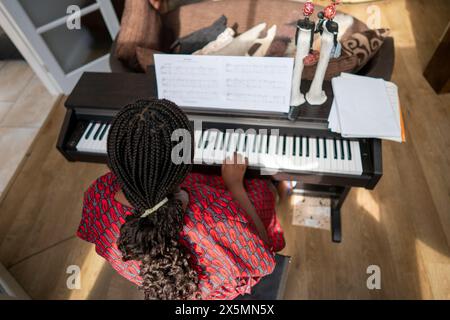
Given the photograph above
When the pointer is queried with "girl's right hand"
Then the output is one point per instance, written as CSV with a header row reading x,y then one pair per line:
x,y
233,171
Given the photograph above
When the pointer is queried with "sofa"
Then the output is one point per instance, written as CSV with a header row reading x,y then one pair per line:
x,y
146,27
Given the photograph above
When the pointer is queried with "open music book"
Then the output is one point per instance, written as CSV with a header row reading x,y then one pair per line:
x,y
237,83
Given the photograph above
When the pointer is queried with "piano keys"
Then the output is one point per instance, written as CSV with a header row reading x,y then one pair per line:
x,y
267,151
323,163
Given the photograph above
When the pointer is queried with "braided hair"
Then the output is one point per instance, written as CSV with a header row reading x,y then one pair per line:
x,y
139,155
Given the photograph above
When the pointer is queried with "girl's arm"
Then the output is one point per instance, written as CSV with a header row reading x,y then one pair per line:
x,y
233,171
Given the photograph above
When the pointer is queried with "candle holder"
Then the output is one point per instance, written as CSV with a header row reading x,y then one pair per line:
x,y
329,47
303,40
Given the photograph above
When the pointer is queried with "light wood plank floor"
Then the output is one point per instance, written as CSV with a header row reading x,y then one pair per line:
x,y
403,226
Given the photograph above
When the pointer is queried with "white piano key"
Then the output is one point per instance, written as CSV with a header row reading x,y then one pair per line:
x,y
351,162
97,143
305,149
104,140
328,161
218,151
249,145
321,154
279,158
263,155
232,145
340,163
315,164
346,161
82,143
356,154
90,141
87,137
197,150
256,150
297,157
241,144
271,152
208,154
226,142
289,156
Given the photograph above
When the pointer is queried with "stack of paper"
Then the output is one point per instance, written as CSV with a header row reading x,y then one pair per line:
x,y
365,107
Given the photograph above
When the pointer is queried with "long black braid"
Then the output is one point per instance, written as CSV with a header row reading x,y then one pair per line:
x,y
139,154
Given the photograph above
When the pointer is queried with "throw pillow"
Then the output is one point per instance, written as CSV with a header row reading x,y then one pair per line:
x,y
200,38
140,27
364,45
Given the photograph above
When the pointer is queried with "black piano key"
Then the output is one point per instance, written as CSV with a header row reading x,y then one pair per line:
x,y
254,145
99,130
307,147
222,146
294,145
324,148
229,142
206,139
349,150
301,146
267,144
317,147
334,149
284,145
238,142
342,150
88,133
102,134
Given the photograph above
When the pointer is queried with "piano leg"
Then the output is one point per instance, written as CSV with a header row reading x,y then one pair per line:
x,y
337,203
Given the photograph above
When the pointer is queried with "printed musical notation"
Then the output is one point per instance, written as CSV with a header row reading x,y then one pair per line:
x,y
244,83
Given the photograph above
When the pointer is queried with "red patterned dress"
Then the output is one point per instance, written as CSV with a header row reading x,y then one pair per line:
x,y
230,257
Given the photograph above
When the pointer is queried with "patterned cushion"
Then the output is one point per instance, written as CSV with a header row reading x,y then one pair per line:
x,y
364,45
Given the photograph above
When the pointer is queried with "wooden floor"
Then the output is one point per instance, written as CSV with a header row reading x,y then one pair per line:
x,y
403,226
24,107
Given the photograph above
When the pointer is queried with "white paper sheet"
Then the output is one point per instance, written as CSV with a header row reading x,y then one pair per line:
x,y
365,107
239,83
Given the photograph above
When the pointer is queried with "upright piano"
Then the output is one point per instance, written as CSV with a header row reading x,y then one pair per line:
x,y
322,162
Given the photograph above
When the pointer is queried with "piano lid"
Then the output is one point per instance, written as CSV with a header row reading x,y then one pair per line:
x,y
112,91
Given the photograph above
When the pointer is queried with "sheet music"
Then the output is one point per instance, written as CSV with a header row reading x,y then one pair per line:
x,y
334,122
243,83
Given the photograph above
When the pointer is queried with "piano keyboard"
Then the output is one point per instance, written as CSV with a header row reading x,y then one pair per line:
x,y
271,152
284,153
94,138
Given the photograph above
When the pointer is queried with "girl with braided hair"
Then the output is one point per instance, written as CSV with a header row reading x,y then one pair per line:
x,y
176,234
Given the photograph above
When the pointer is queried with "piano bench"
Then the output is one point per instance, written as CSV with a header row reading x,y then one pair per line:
x,y
272,286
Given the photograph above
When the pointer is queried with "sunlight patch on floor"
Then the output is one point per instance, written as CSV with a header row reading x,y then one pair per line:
x,y
436,267
365,200
90,270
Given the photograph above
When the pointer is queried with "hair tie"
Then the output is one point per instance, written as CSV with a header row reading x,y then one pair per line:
x,y
156,207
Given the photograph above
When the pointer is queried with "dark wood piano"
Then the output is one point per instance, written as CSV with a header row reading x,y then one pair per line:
x,y
322,162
